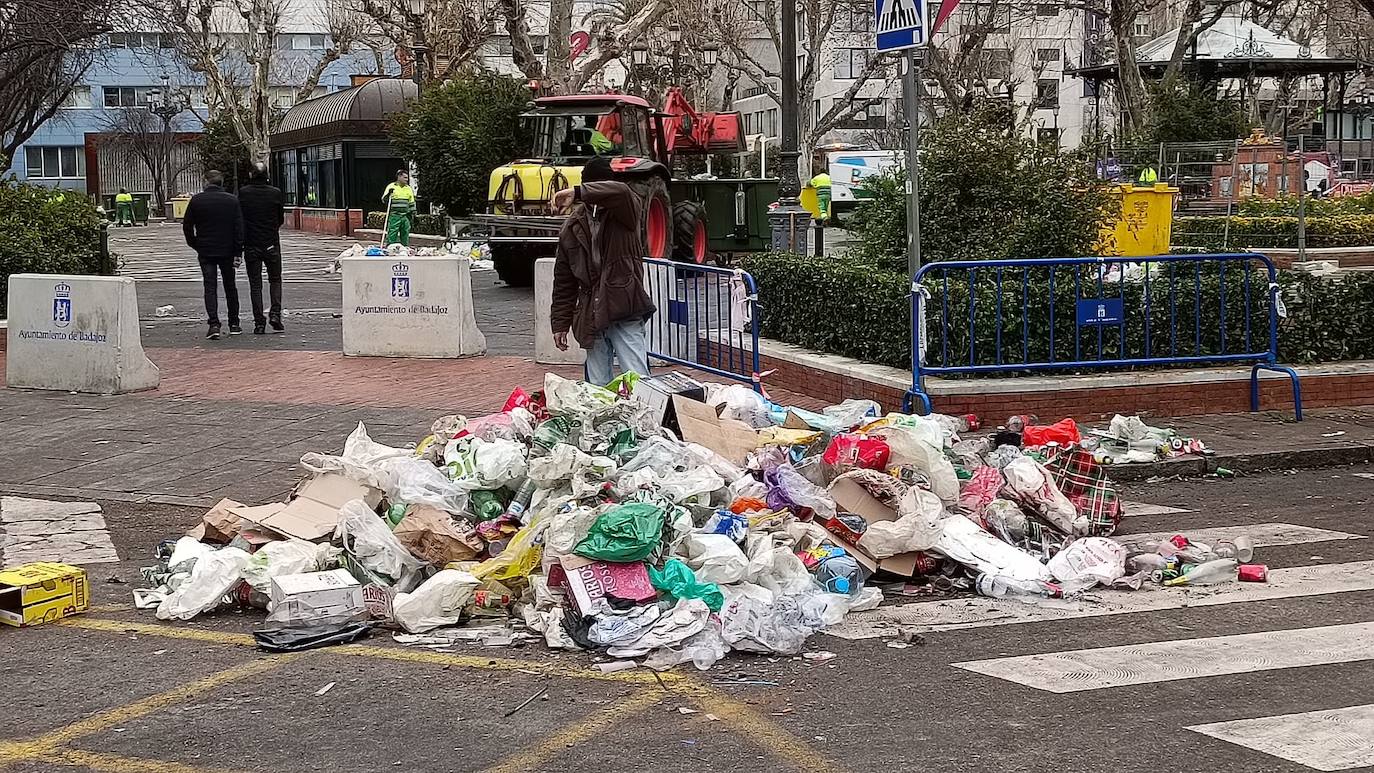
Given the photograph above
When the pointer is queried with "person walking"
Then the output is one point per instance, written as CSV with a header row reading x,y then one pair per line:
x,y
598,275
124,208
213,227
399,199
262,205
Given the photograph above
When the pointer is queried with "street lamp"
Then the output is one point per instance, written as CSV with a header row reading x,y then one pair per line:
x,y
710,54
418,49
1055,112
166,105
790,220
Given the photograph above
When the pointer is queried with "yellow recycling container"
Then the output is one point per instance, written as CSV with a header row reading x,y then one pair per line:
x,y
1146,222
179,207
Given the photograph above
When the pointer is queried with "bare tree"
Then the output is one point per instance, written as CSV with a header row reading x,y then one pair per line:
x,y
137,134
453,31
556,70
46,47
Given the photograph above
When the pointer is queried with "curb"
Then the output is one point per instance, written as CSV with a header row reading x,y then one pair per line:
x,y
1242,464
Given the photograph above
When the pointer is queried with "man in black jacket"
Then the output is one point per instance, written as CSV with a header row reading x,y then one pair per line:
x,y
213,227
261,204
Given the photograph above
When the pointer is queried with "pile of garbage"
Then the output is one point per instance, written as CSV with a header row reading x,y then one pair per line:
x,y
663,519
477,251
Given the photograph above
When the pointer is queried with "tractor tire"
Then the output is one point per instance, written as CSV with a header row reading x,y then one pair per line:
x,y
514,263
689,233
658,218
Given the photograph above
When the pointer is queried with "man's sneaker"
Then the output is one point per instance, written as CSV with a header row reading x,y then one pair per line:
x,y
235,330
259,329
277,326
213,335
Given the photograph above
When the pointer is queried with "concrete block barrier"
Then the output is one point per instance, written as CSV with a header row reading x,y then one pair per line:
x,y
545,353
409,307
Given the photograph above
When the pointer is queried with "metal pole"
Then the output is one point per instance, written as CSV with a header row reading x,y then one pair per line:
x,y
1231,199
1302,200
911,101
790,221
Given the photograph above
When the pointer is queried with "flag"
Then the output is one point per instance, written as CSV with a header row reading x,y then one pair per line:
x,y
946,8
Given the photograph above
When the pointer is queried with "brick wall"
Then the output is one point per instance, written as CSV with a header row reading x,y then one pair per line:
x,y
338,222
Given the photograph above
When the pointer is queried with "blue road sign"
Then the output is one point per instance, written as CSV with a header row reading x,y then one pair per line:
x,y
900,24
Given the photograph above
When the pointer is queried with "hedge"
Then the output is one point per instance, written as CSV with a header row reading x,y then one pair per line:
x,y
852,309
46,231
1276,231
430,225
1255,206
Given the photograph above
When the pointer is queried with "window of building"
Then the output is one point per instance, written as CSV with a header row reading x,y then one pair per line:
x,y
1046,54
758,9
1046,9
55,163
141,40
816,110
1047,93
127,96
1140,29
770,123
79,99
996,63
309,42
850,62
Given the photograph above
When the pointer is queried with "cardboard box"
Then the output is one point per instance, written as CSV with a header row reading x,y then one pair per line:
x,y
42,592
657,393
590,582
432,535
699,423
219,524
314,511
310,596
850,497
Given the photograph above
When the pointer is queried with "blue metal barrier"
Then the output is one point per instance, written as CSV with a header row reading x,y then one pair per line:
x,y
1100,312
707,319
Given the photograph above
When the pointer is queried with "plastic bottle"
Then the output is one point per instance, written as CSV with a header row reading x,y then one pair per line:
x,y
1146,562
486,505
1210,573
840,574
1241,548
1020,422
999,586
517,507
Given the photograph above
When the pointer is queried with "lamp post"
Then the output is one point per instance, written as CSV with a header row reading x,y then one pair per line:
x,y
419,49
673,71
1055,112
166,105
790,220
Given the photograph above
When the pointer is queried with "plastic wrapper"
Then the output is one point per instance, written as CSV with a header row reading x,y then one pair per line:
x,y
579,399
919,525
681,486
715,558
302,638
739,402
627,532
439,601
788,489
868,598
923,428
781,627
736,527
622,626
687,618
213,575
979,491
519,559
1088,561
850,413
962,540
1028,482
483,464
567,527
909,448
779,571
702,649
1005,519
1064,432
359,461
288,556
368,541
417,482
677,581
848,451
566,463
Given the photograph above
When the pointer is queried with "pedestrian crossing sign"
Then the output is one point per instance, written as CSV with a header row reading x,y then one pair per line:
x,y
900,24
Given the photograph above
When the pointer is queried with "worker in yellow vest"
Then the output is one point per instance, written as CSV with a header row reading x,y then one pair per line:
x,y
1148,177
399,199
124,208
821,183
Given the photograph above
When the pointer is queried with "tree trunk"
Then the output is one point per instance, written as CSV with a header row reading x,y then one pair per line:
x,y
558,53
1133,98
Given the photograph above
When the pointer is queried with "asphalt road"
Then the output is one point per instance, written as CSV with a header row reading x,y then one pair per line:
x,y
117,690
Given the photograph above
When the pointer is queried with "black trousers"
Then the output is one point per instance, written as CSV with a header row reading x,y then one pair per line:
x,y
224,267
256,259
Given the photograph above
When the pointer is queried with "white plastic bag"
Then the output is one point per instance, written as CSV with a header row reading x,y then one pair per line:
x,y
486,464
417,482
1088,561
964,541
679,487
187,549
567,528
703,649
715,558
1030,483
359,460
212,576
289,556
869,598
739,402
438,602
919,524
367,539
851,412
778,570
687,618
910,447
576,398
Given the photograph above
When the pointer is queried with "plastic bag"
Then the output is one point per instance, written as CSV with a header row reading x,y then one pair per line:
x,y
962,540
1088,561
289,556
910,448
715,558
703,649
567,527
736,527
359,460
787,488
1064,432
687,618
417,482
850,413
779,571
519,559
576,398
681,486
368,541
676,581
1005,519
437,602
482,464
848,451
869,598
739,402
919,524
781,627
1029,482
301,638
212,576
979,491
627,532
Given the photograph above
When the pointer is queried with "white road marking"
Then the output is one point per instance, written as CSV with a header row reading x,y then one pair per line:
x,y
978,612
1262,534
44,530
1166,661
1330,739
1129,509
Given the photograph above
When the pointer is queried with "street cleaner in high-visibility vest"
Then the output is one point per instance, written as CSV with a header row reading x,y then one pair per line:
x,y
1148,177
399,199
124,208
821,183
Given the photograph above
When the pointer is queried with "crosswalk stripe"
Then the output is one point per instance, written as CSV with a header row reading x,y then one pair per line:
x,y
1166,661
1329,739
1262,534
953,614
1129,509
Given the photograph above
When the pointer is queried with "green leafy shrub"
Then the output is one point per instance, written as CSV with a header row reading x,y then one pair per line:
x,y
1272,231
1288,206
431,225
46,231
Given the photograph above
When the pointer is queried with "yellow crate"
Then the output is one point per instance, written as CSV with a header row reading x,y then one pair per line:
x,y
42,592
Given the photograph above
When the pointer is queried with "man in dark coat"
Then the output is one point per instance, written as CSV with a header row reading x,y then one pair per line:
x,y
263,214
598,275
213,226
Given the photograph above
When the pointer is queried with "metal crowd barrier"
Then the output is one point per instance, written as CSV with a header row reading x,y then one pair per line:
x,y
707,319
1005,316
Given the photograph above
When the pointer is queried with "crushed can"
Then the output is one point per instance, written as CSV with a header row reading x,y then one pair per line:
x,y
1252,573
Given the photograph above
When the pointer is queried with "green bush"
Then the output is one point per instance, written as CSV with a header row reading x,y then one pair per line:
x,y
431,225
1288,206
459,132
1274,231
851,309
46,231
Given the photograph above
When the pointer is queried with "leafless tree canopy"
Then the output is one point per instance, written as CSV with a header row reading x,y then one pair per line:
x,y
453,31
45,48
140,136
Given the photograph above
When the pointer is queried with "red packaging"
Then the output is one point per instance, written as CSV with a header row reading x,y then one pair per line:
x,y
1064,432
972,421
927,563
1253,573
1180,541
850,450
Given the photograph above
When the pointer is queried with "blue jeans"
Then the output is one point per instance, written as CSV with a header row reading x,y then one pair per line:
x,y
625,341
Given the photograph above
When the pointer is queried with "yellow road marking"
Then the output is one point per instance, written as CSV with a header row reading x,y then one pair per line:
x,y
530,758
168,631
49,743
110,608
762,731
113,763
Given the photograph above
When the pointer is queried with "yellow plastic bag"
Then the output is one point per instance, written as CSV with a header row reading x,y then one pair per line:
x,y
518,560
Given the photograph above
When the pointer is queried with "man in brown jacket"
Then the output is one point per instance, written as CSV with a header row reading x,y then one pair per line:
x,y
598,276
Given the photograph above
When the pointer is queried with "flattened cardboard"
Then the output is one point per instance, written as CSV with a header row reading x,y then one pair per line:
x,y
314,512
220,524
730,438
590,582
850,497
657,393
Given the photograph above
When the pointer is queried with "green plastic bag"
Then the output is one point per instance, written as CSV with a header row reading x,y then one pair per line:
x,y
626,533
677,581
